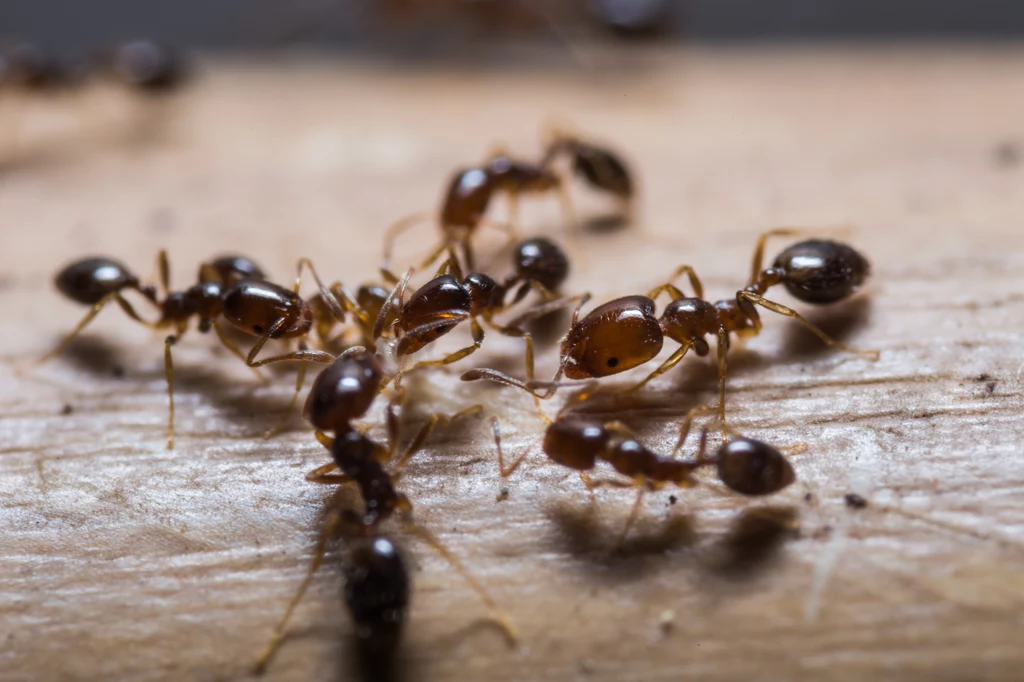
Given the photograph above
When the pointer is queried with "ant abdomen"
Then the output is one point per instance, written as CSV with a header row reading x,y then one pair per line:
x,y
344,391
575,442
752,467
602,169
467,198
822,271
612,338
229,270
90,280
257,306
542,261
377,587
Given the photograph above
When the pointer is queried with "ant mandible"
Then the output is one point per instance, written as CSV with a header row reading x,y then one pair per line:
x,y
746,466
344,391
624,333
231,287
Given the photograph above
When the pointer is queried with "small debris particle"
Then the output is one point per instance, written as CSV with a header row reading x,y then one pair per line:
x,y
990,387
502,495
855,501
117,371
667,620
67,409
808,498
672,499
822,532
984,376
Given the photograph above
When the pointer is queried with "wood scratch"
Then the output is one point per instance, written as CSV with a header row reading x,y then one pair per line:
x,y
823,571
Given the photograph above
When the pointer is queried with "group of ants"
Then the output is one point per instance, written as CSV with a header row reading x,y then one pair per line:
x,y
365,339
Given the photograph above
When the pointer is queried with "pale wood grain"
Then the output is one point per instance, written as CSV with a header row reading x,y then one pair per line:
x,y
121,560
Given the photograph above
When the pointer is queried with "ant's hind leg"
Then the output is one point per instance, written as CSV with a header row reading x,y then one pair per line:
x,y
230,345
478,340
502,469
747,296
114,297
497,613
433,421
328,530
169,375
300,379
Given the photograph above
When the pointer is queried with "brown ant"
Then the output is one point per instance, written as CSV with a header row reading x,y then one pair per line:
x,y
600,167
146,65
624,333
231,287
342,392
448,299
468,196
746,466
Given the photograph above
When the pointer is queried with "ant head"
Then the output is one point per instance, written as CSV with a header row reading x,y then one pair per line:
x,y
484,292
752,467
822,271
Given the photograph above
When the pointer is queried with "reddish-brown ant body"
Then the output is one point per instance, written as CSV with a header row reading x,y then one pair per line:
x,y
448,299
746,466
341,393
230,287
625,333
468,197
600,167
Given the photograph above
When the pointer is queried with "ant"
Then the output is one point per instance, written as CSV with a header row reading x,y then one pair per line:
x,y
344,391
600,167
746,466
231,287
624,333
468,196
146,65
449,298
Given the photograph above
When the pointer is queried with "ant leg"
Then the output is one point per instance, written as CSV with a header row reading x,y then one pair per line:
x,y
684,431
723,350
758,260
634,513
102,303
324,439
433,421
744,296
339,299
230,345
302,354
169,375
503,621
164,268
698,288
513,209
509,229
397,294
542,309
671,362
397,228
300,380
511,469
567,208
326,533
528,353
478,340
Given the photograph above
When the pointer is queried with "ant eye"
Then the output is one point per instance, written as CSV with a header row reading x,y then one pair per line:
x,y
613,362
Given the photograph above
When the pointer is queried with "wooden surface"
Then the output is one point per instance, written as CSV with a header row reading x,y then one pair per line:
x,y
121,560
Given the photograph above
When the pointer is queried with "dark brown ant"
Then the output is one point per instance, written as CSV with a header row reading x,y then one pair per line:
x,y
343,392
28,67
467,198
448,299
600,167
746,466
624,333
230,287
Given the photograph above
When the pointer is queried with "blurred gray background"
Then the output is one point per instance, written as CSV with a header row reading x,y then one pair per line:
x,y
435,26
